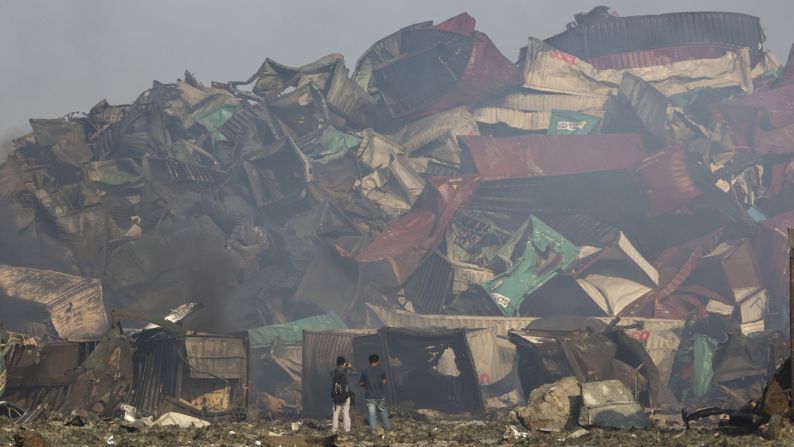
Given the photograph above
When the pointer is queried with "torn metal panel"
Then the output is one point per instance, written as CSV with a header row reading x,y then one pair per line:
x,y
251,124
546,254
615,276
396,253
656,172
124,173
614,35
343,96
75,304
550,70
435,137
327,143
523,156
455,65
730,270
67,138
319,353
395,187
281,186
670,125
476,237
103,381
301,111
674,265
376,151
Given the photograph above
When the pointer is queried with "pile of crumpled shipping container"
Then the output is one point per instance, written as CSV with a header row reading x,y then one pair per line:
x,y
640,167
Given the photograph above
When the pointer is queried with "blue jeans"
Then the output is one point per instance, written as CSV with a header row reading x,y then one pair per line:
x,y
377,405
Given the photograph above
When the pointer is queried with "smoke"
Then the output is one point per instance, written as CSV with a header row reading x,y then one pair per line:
x,y
7,141
20,249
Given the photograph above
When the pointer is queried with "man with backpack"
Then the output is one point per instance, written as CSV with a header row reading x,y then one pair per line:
x,y
341,396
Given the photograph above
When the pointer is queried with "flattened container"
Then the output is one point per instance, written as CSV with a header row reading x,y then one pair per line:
x,y
638,33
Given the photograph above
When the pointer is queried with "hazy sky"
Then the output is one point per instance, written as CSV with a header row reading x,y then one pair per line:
x,y
60,56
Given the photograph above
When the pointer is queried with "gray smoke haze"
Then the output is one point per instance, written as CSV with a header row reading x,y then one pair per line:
x,y
60,56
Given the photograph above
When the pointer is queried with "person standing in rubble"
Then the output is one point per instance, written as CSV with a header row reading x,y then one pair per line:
x,y
373,379
341,395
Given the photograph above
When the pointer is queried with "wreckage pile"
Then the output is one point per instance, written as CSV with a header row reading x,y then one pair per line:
x,y
475,208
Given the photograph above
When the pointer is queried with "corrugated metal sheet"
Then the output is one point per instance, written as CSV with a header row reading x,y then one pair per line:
x,y
662,56
550,70
214,356
319,353
537,102
503,158
400,318
430,285
666,181
75,304
626,34
292,331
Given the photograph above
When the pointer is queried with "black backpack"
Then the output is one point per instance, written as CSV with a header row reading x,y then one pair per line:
x,y
340,391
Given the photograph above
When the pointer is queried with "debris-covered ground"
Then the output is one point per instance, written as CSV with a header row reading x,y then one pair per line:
x,y
407,432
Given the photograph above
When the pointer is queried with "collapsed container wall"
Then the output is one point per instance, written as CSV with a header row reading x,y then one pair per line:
x,y
208,373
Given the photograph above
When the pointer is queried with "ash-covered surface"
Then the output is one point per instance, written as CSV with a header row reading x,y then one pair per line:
x,y
405,432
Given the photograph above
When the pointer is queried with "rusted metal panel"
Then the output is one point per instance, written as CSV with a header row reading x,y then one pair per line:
x,y
397,252
75,304
216,357
666,180
523,156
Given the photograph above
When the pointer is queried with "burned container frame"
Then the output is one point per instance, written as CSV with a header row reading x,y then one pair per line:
x,y
421,365
202,374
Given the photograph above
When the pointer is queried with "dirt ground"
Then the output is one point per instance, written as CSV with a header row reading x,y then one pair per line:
x,y
405,432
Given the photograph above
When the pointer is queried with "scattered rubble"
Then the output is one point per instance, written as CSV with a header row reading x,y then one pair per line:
x,y
589,234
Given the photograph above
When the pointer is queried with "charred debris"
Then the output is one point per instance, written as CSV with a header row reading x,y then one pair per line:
x,y
610,210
